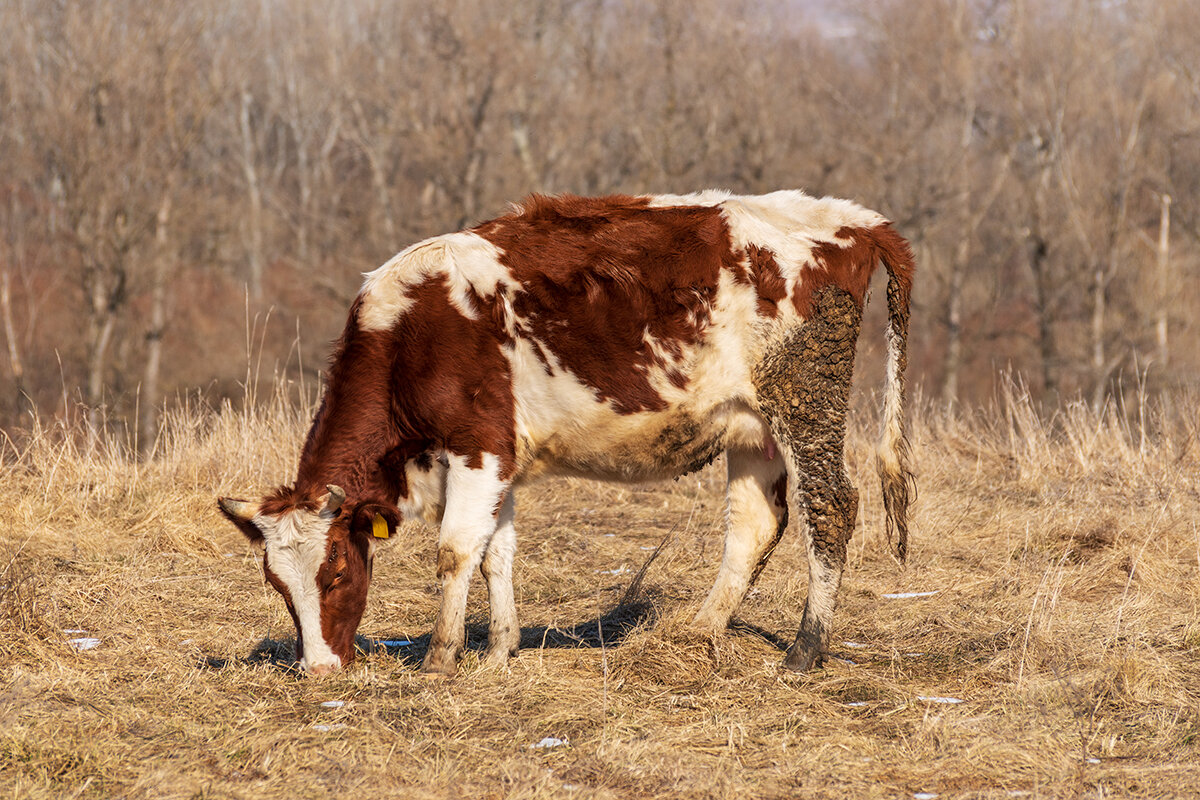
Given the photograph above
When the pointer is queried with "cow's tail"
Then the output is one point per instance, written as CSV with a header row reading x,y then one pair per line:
x,y
893,455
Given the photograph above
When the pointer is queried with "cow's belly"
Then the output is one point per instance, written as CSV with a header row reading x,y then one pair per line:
x,y
564,427
642,447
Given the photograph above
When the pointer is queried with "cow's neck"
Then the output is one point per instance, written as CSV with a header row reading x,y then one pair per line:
x,y
346,450
353,433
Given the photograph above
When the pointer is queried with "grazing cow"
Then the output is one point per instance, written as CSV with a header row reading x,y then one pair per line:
x,y
621,338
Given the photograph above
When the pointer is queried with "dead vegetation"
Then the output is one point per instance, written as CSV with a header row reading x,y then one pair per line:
x,y
1064,557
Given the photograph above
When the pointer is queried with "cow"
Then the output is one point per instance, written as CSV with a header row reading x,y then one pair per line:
x,y
624,338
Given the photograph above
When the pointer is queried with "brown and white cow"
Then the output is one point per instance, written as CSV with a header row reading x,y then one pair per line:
x,y
620,338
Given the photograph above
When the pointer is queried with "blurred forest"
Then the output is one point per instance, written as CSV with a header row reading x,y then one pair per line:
x,y
191,189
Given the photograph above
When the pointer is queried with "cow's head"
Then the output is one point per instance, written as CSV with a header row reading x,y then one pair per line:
x,y
318,548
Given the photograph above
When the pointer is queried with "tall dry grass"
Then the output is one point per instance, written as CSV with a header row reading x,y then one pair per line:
x,y
1063,550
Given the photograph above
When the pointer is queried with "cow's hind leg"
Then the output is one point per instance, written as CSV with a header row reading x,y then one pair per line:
x,y
756,518
474,499
803,384
504,633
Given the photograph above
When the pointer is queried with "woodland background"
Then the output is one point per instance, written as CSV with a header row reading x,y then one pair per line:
x,y
189,190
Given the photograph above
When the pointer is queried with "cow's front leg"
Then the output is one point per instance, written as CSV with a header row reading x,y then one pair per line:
x,y
504,633
474,498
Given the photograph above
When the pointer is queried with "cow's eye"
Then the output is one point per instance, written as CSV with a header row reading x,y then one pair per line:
x,y
333,555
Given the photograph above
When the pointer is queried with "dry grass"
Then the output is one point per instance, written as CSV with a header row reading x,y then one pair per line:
x,y
1065,556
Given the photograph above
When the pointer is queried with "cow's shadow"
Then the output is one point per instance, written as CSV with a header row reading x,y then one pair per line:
x,y
607,630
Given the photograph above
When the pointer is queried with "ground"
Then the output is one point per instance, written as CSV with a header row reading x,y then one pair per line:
x,y
1055,652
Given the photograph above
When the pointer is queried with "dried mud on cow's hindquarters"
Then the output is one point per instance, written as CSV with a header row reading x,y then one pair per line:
x,y
1043,641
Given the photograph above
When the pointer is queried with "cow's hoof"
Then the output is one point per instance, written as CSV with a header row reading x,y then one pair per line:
x,y
801,658
499,656
440,661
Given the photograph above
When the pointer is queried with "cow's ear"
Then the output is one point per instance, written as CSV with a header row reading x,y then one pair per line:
x,y
376,520
241,513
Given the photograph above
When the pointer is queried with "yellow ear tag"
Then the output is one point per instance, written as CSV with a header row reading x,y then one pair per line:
x,y
379,527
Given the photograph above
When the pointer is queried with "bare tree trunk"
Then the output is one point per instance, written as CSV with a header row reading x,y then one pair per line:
x,y
102,322
22,399
151,399
477,153
1038,265
378,178
1164,282
952,360
255,222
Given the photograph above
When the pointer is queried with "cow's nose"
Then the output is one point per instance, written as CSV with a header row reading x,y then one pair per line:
x,y
321,669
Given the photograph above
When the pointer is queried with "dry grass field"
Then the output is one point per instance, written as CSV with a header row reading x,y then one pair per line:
x,y
1063,558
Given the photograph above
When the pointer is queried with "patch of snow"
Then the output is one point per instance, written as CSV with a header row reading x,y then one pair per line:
x,y
333,704
944,700
84,643
909,595
548,742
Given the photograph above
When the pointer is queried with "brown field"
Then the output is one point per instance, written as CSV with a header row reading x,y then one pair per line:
x,y
1064,555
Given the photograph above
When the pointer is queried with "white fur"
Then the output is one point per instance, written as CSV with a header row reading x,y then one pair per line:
x,y
426,498
751,521
472,496
468,262
889,447
296,544
504,632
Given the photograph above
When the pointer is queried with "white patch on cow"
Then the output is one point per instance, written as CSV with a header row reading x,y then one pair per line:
x,y
823,583
426,491
788,211
472,495
751,521
892,434
473,498
708,197
469,264
296,543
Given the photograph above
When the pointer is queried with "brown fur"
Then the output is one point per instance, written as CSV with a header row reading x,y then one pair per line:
x,y
766,279
343,580
597,274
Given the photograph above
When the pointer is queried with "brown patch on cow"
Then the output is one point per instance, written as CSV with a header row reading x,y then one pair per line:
x,y
448,561
452,388
600,274
284,499
779,492
766,278
343,580
779,499
847,264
